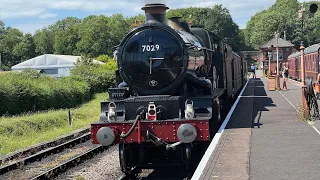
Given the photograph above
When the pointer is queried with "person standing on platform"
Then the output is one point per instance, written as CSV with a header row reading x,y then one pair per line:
x,y
253,70
285,73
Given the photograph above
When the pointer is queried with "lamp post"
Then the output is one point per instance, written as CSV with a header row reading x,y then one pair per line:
x,y
277,49
304,100
277,52
269,56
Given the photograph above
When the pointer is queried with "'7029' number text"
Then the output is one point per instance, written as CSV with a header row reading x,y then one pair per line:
x,y
149,48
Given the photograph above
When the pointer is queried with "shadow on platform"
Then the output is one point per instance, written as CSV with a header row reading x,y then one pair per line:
x,y
252,103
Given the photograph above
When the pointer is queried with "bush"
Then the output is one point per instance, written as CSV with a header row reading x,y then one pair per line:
x,y
111,64
28,91
25,131
4,68
98,77
103,58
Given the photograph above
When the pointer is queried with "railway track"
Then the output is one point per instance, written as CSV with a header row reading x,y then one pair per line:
x,y
53,172
18,155
44,163
168,172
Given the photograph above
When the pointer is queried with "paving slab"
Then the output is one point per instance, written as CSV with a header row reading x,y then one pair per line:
x,y
265,139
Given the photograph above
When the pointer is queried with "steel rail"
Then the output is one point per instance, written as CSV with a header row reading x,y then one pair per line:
x,y
70,163
42,146
42,154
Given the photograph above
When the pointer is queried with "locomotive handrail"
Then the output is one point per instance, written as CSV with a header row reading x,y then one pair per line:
x,y
199,48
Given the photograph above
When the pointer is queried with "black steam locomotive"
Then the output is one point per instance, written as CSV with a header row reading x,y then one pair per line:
x,y
175,84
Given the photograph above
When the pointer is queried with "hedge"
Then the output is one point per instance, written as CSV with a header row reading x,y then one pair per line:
x,y
98,77
27,91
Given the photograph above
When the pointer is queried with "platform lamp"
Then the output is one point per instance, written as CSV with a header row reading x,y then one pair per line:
x,y
269,56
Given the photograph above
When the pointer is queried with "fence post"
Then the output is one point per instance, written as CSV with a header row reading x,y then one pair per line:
x,y
69,118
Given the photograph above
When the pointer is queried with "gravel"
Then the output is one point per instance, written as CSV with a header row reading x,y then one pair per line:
x,y
170,173
36,168
104,166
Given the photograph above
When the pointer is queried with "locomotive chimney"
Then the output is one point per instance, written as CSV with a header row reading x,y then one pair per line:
x,y
174,23
155,13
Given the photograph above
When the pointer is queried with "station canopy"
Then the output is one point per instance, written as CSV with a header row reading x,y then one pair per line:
x,y
50,61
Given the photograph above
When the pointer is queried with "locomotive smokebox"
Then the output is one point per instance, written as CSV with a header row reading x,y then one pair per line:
x,y
155,13
174,23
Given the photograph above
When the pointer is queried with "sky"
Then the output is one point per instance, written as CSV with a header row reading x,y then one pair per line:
x,y
30,15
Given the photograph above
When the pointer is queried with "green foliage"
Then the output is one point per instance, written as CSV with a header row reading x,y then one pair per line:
x,y
4,68
112,65
8,40
94,35
26,130
44,41
216,19
28,91
98,77
66,35
135,19
199,16
283,16
97,35
104,58
25,49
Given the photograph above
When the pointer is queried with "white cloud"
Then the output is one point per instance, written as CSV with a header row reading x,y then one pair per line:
x,y
47,16
240,10
32,27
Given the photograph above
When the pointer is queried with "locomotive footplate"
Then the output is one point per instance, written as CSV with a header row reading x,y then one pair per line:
x,y
160,133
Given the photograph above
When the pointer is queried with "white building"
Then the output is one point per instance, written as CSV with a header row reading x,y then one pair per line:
x,y
51,64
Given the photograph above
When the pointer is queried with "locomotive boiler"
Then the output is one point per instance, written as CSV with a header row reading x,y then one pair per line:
x,y
174,86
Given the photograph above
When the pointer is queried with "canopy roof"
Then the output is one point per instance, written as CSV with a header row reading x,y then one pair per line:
x,y
50,61
281,43
311,49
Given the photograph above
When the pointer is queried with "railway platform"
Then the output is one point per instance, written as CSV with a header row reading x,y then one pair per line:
x,y
263,138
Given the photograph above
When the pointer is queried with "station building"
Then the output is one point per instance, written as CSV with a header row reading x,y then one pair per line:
x,y
268,50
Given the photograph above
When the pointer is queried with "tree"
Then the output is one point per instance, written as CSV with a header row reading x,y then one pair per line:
x,y
2,28
95,37
44,40
26,48
216,19
66,35
283,16
221,23
119,27
199,16
135,19
9,39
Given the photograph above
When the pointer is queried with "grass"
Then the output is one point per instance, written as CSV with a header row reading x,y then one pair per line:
x,y
19,132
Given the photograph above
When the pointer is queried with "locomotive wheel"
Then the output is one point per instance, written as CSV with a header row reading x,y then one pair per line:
x,y
124,157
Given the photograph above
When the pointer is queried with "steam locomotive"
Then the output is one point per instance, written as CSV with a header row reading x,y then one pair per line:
x,y
174,86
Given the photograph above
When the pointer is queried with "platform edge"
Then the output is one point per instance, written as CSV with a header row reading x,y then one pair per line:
x,y
197,174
